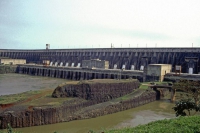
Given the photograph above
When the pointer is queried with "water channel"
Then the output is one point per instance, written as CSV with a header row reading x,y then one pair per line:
x,y
16,83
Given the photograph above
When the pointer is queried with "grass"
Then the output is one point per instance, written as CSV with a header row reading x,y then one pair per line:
x,y
143,87
5,99
94,81
33,98
177,125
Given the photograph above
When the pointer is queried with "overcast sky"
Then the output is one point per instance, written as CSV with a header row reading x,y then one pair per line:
x,y
30,24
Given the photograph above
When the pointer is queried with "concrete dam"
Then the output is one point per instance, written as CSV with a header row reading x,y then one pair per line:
x,y
119,58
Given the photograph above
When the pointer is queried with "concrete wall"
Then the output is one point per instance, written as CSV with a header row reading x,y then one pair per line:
x,y
164,70
95,63
158,70
78,73
12,61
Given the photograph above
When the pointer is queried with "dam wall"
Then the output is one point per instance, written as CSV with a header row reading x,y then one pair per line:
x,y
73,73
128,58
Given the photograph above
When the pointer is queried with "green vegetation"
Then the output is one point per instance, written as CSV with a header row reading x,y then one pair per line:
x,y
186,107
190,87
13,98
143,86
178,125
189,103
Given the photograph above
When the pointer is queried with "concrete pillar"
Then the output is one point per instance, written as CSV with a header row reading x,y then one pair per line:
x,y
95,76
20,70
29,71
82,76
109,76
54,73
66,74
119,76
70,75
99,75
47,72
74,76
36,71
57,73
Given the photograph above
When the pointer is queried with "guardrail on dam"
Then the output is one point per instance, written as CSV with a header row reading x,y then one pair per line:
x,y
126,57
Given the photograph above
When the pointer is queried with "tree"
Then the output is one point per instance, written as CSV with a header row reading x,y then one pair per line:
x,y
192,88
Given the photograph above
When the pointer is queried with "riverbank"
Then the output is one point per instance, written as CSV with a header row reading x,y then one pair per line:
x,y
23,114
107,121
161,109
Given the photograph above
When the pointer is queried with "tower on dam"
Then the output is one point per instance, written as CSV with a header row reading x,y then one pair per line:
x,y
119,58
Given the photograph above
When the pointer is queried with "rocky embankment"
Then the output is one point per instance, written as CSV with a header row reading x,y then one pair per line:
x,y
97,90
79,110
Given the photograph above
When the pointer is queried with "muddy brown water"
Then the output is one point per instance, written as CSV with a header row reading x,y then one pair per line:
x,y
16,83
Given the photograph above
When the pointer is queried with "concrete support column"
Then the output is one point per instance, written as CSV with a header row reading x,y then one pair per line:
x,y
74,76
70,75
57,73
67,75
20,70
82,76
40,72
52,73
119,76
99,75
86,76
29,71
36,72
61,74
78,76
95,76
47,72
109,76
89,75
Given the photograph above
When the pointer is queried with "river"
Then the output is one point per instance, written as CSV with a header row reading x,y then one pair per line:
x,y
16,83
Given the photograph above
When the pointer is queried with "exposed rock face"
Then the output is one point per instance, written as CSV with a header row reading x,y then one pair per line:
x,y
35,116
42,116
99,92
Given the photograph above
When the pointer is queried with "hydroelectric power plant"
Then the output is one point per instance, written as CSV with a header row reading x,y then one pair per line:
x,y
81,99
122,62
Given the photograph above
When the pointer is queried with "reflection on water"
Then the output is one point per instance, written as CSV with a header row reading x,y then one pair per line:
x,y
141,115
